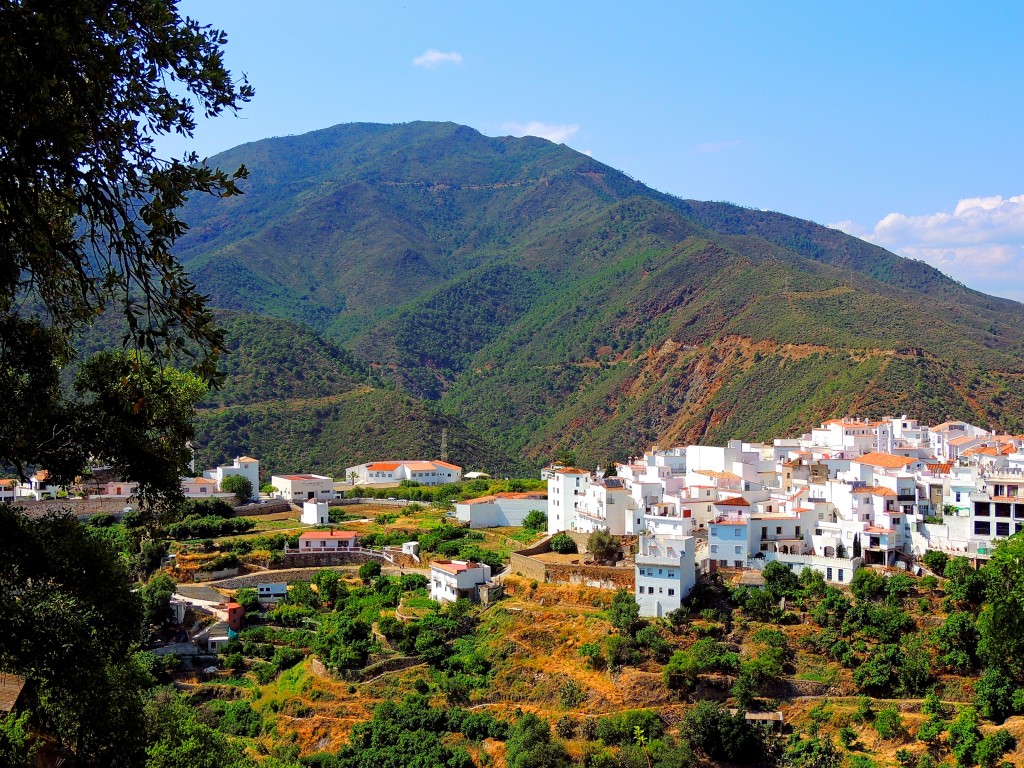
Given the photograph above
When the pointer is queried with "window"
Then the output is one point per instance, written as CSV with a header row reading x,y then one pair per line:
x,y
739,549
723,563
1002,529
671,574
736,533
714,547
778,530
642,572
650,590
828,574
797,530
895,521
661,571
982,527
738,563
671,592
661,590
840,574
639,590
958,495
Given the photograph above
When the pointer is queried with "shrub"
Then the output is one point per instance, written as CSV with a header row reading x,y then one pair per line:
x,y
621,728
993,747
563,544
936,561
571,694
889,724
535,520
368,571
603,547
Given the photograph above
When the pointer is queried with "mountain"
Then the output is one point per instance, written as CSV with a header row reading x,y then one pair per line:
x,y
545,300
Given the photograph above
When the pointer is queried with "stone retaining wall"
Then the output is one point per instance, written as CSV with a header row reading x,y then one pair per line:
x,y
601,576
266,508
390,664
528,567
323,559
82,508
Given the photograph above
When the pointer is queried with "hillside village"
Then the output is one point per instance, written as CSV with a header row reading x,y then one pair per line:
x,y
337,583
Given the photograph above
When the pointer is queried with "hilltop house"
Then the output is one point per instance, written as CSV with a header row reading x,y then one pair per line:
x,y
245,466
422,472
327,541
452,579
303,487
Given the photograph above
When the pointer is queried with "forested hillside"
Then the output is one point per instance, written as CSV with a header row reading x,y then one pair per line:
x,y
546,301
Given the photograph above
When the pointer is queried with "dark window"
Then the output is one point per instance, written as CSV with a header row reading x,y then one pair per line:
x,y
982,527
1002,529
1003,509
981,509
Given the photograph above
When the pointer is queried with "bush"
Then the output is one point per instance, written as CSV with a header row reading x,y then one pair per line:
x,y
621,728
889,724
603,547
721,736
936,561
368,571
535,520
993,747
563,544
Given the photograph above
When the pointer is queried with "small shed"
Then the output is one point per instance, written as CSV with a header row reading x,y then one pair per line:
x,y
315,513
12,688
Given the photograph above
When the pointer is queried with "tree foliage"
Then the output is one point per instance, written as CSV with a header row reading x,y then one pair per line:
x,y
88,220
239,485
62,588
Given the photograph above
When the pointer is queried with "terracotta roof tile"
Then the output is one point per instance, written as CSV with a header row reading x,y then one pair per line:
x,y
885,460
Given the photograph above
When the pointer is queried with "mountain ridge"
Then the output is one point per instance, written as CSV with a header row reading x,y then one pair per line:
x,y
526,288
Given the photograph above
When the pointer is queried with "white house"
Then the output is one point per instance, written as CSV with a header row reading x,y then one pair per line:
x,y
452,579
422,472
37,487
246,466
566,487
665,573
501,509
271,591
314,513
303,487
198,487
327,541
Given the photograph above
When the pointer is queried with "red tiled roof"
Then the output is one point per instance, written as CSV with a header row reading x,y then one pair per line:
x,y
384,466
314,535
446,465
571,471
452,567
247,458
885,460
735,501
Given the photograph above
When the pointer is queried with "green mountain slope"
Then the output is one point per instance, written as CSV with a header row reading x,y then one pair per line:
x,y
544,299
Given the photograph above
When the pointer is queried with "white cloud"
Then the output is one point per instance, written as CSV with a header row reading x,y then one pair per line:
x,y
432,58
555,132
980,242
709,147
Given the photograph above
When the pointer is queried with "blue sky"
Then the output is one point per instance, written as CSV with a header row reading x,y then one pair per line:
x,y
900,122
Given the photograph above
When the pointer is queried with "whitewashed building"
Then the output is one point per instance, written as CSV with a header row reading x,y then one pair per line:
x,y
303,487
386,472
665,573
327,541
244,466
452,579
500,509
315,513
